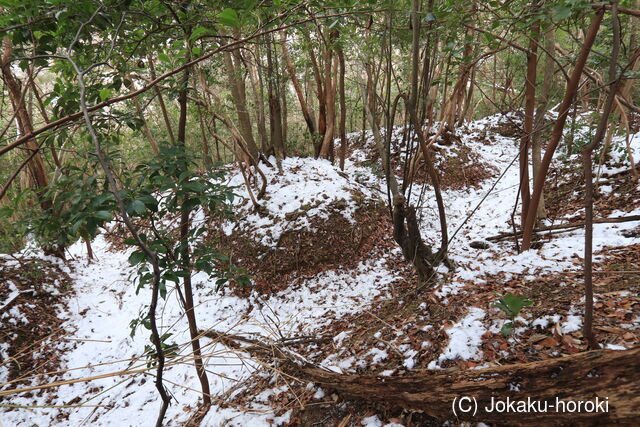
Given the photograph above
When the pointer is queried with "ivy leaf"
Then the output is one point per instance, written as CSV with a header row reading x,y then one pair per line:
x,y
229,18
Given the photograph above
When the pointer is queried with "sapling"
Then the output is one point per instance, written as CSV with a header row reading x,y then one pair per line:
x,y
511,305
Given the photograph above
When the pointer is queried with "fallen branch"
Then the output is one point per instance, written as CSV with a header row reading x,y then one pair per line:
x,y
611,376
566,227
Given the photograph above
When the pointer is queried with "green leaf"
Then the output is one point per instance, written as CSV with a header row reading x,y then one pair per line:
x,y
136,257
137,206
164,58
229,18
199,32
511,304
163,289
104,215
105,94
194,186
561,12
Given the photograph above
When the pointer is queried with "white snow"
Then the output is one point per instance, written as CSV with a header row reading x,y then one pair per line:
x,y
105,301
465,338
310,186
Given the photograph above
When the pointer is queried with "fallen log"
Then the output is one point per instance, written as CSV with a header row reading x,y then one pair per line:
x,y
598,387
566,227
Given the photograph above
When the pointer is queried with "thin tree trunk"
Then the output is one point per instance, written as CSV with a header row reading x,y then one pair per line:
x,y
238,93
330,102
556,134
36,164
145,128
343,109
543,105
185,257
530,104
275,112
163,107
258,90
587,154
206,156
426,151
306,113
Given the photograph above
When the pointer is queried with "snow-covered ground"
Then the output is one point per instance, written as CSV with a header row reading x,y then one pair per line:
x,y
120,387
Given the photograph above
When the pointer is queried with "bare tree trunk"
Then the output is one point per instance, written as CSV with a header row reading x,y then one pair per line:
x,y
343,110
556,134
530,104
543,105
35,164
587,154
185,257
145,128
320,91
206,156
258,92
306,113
163,107
238,93
417,128
275,112
330,102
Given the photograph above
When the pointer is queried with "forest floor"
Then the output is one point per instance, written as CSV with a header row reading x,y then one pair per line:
x,y
326,270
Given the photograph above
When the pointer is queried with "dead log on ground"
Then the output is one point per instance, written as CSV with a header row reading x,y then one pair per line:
x,y
611,376
566,227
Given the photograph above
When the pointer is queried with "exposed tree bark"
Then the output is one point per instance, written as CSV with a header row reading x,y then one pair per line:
x,y
185,256
412,107
206,155
556,134
320,92
611,376
407,236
